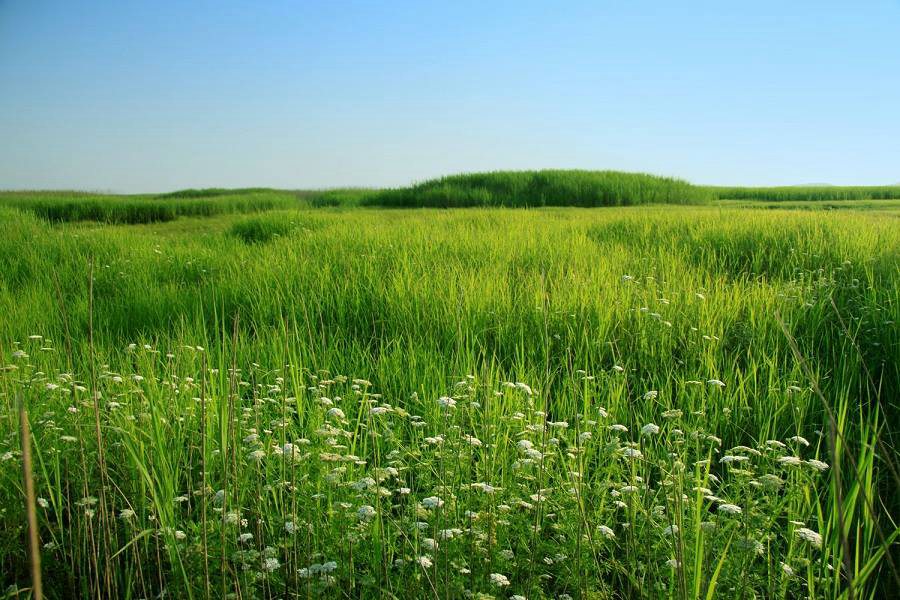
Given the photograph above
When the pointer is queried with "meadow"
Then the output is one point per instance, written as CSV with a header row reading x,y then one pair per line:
x,y
805,193
289,395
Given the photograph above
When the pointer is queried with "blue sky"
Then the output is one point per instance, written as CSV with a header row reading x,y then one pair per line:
x,y
154,96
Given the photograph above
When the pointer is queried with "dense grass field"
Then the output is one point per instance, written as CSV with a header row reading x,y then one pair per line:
x,y
633,402
105,208
804,193
510,189
543,188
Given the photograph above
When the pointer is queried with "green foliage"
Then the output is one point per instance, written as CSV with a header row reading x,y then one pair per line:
x,y
493,189
509,364
265,228
809,193
346,197
64,207
543,188
260,230
213,192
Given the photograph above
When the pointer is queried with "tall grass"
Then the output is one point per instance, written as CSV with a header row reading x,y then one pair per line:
x,y
491,189
59,207
444,403
214,192
543,188
807,193
273,225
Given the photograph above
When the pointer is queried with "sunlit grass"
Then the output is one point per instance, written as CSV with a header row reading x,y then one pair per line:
x,y
648,402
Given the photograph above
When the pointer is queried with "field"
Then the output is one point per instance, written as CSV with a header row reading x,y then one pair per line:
x,y
259,394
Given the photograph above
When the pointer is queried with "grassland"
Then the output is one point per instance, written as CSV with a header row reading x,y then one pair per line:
x,y
543,188
661,402
511,189
107,208
805,193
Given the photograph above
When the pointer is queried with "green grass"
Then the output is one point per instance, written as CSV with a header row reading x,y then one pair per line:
x,y
70,207
887,206
479,360
273,225
213,192
543,188
803,193
526,188
510,189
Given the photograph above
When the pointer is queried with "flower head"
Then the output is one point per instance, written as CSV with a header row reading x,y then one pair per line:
x,y
432,502
810,536
650,429
730,509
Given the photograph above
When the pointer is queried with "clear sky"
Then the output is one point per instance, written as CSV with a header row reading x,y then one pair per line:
x,y
154,96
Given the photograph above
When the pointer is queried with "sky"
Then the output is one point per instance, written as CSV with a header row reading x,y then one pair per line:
x,y
155,96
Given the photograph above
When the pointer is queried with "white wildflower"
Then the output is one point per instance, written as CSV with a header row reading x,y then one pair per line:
x,y
810,536
335,413
484,487
730,458
631,453
650,429
525,388
366,512
271,564
424,562
432,502
446,402
730,509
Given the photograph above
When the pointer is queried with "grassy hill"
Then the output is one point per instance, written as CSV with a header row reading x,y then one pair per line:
x,y
543,188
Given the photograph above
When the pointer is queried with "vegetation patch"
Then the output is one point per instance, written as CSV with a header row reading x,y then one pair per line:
x,y
543,188
267,227
213,192
805,193
652,402
58,207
